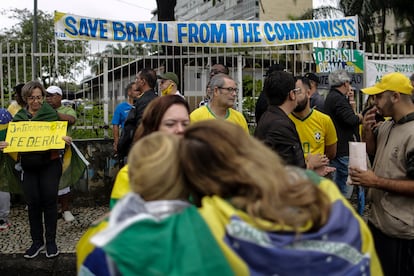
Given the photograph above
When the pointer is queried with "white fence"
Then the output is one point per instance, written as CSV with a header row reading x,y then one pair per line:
x,y
95,80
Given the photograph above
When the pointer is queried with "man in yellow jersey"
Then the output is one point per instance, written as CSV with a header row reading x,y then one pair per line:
x,y
316,130
223,92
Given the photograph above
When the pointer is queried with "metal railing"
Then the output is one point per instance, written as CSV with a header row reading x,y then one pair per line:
x,y
94,80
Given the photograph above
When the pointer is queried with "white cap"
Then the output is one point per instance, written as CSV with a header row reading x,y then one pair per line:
x,y
54,90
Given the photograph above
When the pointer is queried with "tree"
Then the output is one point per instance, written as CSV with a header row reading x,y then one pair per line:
x,y
18,39
165,10
117,55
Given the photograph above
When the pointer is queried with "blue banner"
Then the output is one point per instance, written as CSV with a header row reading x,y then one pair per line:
x,y
207,33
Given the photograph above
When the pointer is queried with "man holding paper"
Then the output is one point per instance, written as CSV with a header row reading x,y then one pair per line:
x,y
391,181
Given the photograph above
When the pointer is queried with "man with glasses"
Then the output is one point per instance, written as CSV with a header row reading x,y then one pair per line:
x,y
224,93
316,129
346,124
316,100
275,128
215,69
65,113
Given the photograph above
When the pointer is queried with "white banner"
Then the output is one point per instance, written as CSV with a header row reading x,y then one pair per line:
x,y
375,69
206,33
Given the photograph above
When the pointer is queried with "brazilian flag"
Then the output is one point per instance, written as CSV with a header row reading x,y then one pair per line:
x,y
9,178
74,166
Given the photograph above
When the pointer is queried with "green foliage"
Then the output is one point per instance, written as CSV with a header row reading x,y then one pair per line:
x,y
249,87
117,55
90,122
17,40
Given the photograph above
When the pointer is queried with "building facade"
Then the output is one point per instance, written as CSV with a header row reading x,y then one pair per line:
x,y
269,10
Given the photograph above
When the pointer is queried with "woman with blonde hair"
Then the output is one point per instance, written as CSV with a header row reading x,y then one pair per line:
x,y
265,216
151,229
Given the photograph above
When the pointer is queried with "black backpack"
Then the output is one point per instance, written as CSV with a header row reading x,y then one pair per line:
x,y
127,134
132,121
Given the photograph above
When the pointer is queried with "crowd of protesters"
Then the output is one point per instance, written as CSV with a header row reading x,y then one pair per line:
x,y
197,194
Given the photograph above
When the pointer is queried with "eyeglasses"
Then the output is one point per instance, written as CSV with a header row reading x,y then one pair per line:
x,y
230,89
297,90
50,95
35,98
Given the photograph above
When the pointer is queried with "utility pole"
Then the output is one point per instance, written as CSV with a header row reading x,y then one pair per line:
x,y
34,48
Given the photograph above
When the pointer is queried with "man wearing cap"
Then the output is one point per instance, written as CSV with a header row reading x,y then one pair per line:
x,y
391,180
169,84
346,124
316,99
65,113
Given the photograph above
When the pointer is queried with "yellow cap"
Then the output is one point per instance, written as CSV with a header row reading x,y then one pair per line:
x,y
396,82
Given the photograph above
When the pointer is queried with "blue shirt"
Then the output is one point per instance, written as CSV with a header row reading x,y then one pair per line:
x,y
121,113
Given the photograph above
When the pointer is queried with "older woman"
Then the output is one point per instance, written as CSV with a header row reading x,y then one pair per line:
x,y
40,176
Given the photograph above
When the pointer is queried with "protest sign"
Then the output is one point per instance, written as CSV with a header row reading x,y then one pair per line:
x,y
378,68
330,59
29,136
206,33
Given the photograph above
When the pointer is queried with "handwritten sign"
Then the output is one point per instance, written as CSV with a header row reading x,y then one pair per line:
x,y
35,136
329,59
206,33
378,68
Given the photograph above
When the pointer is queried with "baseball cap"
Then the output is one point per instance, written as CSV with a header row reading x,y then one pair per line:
x,y
396,82
54,90
312,77
169,76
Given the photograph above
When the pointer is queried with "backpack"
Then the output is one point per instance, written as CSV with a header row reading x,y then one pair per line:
x,y
127,134
132,121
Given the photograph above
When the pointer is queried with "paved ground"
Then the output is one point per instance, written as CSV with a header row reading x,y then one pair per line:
x,y
15,240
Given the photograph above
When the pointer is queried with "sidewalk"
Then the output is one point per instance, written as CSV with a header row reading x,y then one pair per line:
x,y
16,239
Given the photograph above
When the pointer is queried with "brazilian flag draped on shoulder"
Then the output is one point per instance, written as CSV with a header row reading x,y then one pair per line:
x,y
166,237
74,163
9,177
45,113
343,246
219,239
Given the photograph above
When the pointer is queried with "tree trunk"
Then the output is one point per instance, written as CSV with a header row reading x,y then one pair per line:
x,y
165,10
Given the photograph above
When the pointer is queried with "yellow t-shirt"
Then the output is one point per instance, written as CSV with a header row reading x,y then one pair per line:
x,y
204,113
121,186
315,132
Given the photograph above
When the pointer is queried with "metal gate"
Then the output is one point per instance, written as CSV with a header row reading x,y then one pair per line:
x,y
94,78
